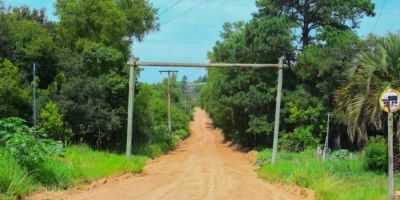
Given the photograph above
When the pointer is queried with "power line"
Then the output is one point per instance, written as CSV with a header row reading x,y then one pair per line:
x,y
377,19
213,21
170,7
184,13
195,25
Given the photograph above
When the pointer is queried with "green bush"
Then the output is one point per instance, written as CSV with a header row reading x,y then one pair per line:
x,y
298,140
376,154
51,123
28,147
340,154
182,133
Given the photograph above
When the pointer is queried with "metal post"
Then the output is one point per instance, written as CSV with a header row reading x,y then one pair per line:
x,y
277,111
324,154
34,95
390,157
131,102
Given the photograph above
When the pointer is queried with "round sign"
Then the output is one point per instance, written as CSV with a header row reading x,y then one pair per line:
x,y
390,100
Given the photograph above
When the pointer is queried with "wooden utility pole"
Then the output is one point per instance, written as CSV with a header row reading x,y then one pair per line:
x,y
131,102
34,84
277,111
324,154
169,97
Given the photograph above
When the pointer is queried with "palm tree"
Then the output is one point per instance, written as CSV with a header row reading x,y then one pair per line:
x,y
370,73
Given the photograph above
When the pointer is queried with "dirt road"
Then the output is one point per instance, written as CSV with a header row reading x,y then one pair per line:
x,y
203,167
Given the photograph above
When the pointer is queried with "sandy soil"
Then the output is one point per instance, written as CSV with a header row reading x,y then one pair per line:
x,y
203,167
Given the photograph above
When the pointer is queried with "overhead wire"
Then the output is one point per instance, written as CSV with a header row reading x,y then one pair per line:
x,y
170,7
184,13
213,21
179,28
379,15
195,26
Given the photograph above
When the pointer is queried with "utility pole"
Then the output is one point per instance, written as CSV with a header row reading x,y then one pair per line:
x,y
324,154
169,97
131,102
34,117
277,111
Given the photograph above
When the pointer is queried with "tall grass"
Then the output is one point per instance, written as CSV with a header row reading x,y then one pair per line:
x,y
87,164
14,180
79,164
331,180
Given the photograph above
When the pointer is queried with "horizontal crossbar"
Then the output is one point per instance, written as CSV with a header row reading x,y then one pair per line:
x,y
208,65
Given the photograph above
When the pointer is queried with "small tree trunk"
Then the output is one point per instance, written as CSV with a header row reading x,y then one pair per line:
x,y
337,139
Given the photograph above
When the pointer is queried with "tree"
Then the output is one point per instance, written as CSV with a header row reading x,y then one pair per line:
x,y
14,98
52,123
241,101
141,17
91,21
99,59
371,72
312,15
6,43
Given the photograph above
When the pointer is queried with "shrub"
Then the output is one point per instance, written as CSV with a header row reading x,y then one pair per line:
x,y
51,122
25,145
376,154
340,154
298,140
182,133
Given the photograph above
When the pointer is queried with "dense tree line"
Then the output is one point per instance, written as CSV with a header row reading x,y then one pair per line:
x,y
82,74
319,43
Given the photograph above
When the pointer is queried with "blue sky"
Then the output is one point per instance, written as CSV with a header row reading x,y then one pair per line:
x,y
189,28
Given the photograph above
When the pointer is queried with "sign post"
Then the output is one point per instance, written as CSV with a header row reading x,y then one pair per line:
x,y
389,102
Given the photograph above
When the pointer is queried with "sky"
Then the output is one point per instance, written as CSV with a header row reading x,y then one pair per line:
x,y
190,28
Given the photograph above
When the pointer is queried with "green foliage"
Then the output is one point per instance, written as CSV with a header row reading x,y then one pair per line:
x,y
14,179
79,165
370,73
33,43
92,20
28,148
53,174
14,98
99,59
299,140
332,179
87,164
313,16
51,123
182,133
340,154
241,101
376,155
141,17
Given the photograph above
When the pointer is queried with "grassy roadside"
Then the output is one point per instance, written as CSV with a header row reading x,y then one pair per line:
x,y
78,165
335,179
